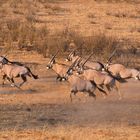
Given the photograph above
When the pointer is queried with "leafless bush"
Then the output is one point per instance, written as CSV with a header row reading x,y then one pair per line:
x,y
91,15
15,3
13,29
31,18
32,38
101,45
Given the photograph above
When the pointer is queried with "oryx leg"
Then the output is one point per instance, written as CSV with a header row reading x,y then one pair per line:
x,y
11,80
4,77
91,93
117,87
72,93
24,80
101,87
13,83
108,88
58,78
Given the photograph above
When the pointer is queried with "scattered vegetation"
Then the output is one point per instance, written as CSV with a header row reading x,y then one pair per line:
x,y
26,33
29,37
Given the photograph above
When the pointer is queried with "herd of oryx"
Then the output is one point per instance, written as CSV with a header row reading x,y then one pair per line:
x,y
83,75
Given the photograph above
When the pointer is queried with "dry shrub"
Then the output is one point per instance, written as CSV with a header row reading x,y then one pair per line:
x,y
13,29
104,45
100,44
129,56
41,46
71,35
91,15
31,17
3,2
3,32
33,38
26,34
15,3
61,41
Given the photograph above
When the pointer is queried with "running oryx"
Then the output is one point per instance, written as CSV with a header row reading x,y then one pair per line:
x,y
81,61
80,85
102,79
59,69
120,71
11,71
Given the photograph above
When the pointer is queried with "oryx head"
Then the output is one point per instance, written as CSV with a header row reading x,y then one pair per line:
x,y
70,56
70,69
81,66
68,73
106,66
77,62
52,61
80,70
4,60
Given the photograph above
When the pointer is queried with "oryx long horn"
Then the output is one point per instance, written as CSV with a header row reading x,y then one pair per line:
x,y
87,59
72,52
79,61
72,65
54,55
5,55
109,59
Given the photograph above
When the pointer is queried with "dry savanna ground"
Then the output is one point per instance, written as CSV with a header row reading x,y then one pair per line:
x,y
42,109
120,18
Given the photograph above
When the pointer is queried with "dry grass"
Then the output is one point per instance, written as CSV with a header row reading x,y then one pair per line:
x,y
74,133
38,28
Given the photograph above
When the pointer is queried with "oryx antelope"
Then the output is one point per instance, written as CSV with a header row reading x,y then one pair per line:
x,y
11,71
91,64
80,85
72,56
129,73
120,71
59,69
84,62
103,79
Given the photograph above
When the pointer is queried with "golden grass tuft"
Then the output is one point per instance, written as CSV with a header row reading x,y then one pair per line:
x,y
74,133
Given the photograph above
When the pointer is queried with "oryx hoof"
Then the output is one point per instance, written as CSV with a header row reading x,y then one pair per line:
x,y
12,85
104,97
63,79
3,84
120,98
